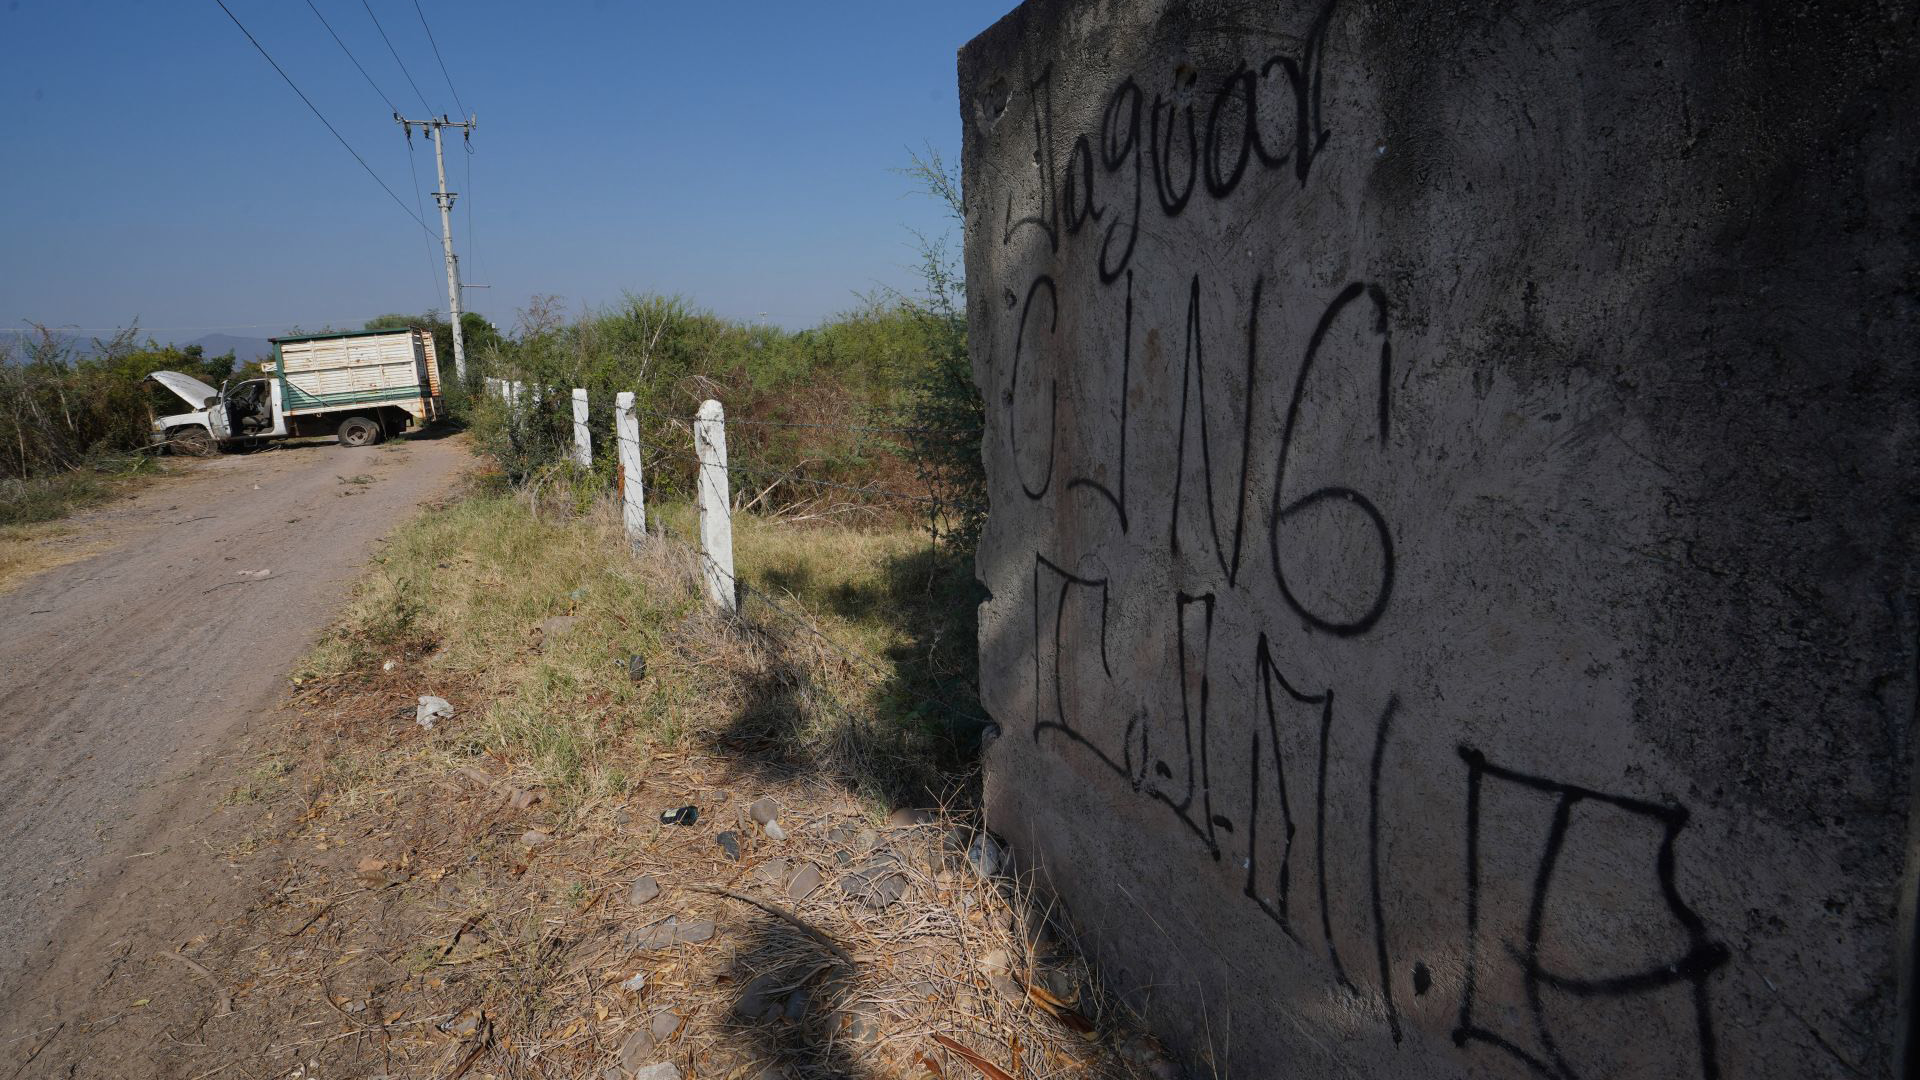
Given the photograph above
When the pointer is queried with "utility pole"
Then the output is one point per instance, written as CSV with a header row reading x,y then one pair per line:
x,y
445,199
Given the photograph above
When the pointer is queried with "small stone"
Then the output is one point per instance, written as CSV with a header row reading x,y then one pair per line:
x,y
1062,984
803,882
773,872
388,666
996,961
557,627
670,932
463,1025
797,1006
659,1070
876,886
774,831
842,833
1006,988
635,984
663,1025
763,811
867,840
986,856
907,818
622,817
523,799
533,838
924,991
636,1047
756,998
730,843
644,888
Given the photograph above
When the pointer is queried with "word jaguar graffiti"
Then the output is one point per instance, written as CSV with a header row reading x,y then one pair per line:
x,y
1137,140
1207,529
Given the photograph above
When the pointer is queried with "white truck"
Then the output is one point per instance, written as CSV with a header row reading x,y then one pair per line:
x,y
359,387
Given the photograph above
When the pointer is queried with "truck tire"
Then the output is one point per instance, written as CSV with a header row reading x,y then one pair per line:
x,y
190,441
359,431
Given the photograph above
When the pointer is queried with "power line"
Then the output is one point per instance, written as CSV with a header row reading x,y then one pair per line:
x,y
473,246
432,270
436,56
396,57
412,170
316,112
356,62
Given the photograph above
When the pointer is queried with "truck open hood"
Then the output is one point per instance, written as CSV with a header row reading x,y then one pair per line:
x,y
191,390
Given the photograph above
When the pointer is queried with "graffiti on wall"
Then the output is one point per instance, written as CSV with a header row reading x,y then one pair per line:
x,y
1240,753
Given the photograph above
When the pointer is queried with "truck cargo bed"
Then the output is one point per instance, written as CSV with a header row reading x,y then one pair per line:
x,y
334,372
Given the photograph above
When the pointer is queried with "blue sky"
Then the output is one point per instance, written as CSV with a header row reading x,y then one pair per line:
x,y
739,154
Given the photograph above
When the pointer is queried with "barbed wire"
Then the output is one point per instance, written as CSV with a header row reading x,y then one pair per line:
x,y
736,421
780,476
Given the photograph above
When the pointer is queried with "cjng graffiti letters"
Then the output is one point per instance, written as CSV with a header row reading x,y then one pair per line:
x,y
1276,775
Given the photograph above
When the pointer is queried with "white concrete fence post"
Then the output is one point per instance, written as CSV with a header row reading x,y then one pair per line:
x,y
716,526
633,497
582,441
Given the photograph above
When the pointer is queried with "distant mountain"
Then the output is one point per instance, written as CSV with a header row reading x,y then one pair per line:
x,y
245,349
15,341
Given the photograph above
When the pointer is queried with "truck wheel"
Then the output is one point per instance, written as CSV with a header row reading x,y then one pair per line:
x,y
190,442
359,431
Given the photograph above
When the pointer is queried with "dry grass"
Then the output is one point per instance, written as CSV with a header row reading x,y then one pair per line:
x,y
455,901
26,550
33,533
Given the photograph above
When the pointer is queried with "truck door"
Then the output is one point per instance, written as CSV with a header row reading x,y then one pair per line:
x,y
218,413
279,408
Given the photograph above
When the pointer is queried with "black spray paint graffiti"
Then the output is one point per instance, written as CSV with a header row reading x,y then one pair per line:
x,y
1173,760
1193,778
1207,138
1702,957
1233,131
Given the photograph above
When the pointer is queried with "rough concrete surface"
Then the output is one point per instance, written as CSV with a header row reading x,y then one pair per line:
x,y
1452,547
121,673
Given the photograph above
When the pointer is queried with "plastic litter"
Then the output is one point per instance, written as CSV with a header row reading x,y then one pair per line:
x,y
431,710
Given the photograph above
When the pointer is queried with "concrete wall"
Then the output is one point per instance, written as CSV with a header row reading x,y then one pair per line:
x,y
1452,548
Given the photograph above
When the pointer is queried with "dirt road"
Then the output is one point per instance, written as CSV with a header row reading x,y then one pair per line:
x,y
122,673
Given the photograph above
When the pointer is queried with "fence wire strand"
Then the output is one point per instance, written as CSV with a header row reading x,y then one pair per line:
x,y
743,588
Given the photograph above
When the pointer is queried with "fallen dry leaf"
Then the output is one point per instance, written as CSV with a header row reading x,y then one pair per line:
x,y
987,1068
1061,1011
